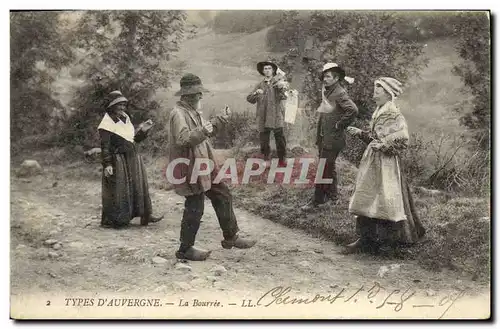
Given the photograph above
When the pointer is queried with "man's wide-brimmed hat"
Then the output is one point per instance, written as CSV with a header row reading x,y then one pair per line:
x,y
336,68
190,84
260,66
116,97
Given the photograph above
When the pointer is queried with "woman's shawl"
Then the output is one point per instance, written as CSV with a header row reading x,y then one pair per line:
x,y
120,128
389,127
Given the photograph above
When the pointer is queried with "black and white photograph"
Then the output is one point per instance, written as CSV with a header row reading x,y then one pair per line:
x,y
250,164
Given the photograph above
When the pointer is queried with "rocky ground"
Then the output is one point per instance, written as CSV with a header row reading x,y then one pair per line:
x,y
58,245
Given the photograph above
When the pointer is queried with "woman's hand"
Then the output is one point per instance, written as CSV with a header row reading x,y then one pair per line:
x,y
379,146
145,126
353,131
108,171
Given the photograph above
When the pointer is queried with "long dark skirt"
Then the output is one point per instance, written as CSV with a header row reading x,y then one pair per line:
x,y
381,231
125,194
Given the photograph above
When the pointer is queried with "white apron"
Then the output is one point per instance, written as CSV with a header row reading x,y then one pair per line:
x,y
378,192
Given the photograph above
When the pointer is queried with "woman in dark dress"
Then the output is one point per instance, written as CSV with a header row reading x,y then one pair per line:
x,y
125,190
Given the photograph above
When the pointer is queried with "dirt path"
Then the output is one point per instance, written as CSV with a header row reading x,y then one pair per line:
x,y
97,259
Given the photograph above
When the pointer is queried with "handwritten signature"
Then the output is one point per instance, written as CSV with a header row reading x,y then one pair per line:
x,y
395,298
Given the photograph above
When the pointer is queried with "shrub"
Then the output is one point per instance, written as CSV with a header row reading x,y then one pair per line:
x,y
367,44
240,131
414,160
413,27
128,51
35,59
473,30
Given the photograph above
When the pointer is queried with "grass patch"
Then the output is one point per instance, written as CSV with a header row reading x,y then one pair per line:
x,y
458,228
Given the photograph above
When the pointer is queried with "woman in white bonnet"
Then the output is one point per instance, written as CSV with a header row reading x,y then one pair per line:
x,y
382,202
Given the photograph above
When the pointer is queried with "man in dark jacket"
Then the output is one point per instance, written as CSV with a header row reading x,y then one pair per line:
x,y
337,111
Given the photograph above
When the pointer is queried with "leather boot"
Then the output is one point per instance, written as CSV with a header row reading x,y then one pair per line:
x,y
193,254
238,242
353,247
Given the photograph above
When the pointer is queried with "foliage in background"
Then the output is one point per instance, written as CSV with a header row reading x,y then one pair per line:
x,y
413,26
370,44
37,51
367,44
125,50
474,46
240,130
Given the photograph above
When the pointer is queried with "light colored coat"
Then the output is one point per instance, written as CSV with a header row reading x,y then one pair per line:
x,y
187,139
378,192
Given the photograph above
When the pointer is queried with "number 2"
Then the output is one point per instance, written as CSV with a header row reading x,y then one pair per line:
x,y
48,303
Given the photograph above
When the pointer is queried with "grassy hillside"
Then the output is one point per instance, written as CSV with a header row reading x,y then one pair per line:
x,y
226,64
458,227
428,101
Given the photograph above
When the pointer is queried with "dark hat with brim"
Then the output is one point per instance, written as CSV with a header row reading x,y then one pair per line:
x,y
116,97
190,84
260,66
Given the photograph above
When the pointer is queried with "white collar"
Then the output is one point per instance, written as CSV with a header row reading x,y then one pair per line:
x,y
123,129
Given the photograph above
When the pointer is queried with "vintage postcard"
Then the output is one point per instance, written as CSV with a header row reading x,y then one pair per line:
x,y
258,164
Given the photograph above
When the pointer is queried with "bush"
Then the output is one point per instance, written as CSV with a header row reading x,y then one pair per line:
x,y
474,47
35,59
367,44
130,52
473,30
240,131
414,161
426,26
285,33
354,149
412,27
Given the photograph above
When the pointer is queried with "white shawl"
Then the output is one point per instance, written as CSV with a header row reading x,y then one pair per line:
x,y
120,128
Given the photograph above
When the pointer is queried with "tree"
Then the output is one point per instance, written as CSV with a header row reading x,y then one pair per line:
x,y
473,31
37,51
474,46
283,35
125,50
